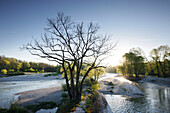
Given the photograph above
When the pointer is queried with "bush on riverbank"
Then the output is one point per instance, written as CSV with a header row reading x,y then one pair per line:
x,y
89,96
3,71
15,73
52,74
95,103
91,85
14,109
11,72
64,87
67,107
42,105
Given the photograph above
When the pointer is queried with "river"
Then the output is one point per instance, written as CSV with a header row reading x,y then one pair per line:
x,y
9,86
156,98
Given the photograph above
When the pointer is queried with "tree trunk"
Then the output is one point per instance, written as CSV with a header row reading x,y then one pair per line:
x,y
67,83
162,69
151,70
72,86
68,87
157,67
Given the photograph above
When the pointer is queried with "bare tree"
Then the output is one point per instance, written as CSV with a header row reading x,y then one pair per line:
x,y
71,45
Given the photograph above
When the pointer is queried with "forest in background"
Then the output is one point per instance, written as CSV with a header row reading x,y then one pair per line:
x,y
135,62
12,66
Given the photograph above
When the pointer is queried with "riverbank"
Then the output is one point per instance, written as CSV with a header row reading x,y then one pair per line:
x,y
43,89
150,79
10,86
22,73
114,98
33,97
156,80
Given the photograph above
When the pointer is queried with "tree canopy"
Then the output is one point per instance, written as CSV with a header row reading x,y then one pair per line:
x,y
13,65
72,45
135,62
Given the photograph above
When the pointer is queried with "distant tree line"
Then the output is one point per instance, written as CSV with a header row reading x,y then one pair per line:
x,y
10,65
136,63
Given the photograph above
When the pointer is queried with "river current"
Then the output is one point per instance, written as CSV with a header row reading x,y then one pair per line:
x,y
156,98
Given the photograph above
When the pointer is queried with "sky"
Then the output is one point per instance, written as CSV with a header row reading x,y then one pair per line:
x,y
132,23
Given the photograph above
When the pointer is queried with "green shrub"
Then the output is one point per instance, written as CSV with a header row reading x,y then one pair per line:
x,y
31,70
87,82
54,74
67,107
92,85
4,71
92,103
42,105
64,87
42,71
64,95
64,99
58,73
111,91
16,109
46,75
15,73
3,111
11,70
95,86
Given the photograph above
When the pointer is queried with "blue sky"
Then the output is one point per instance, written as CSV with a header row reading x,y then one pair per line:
x,y
133,23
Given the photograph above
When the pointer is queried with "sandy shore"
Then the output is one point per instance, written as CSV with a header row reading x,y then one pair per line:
x,y
40,95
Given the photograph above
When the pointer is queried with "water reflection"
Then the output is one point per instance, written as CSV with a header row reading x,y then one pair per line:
x,y
156,100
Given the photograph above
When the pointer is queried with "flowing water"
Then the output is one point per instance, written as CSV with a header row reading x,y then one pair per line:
x,y
9,86
156,99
